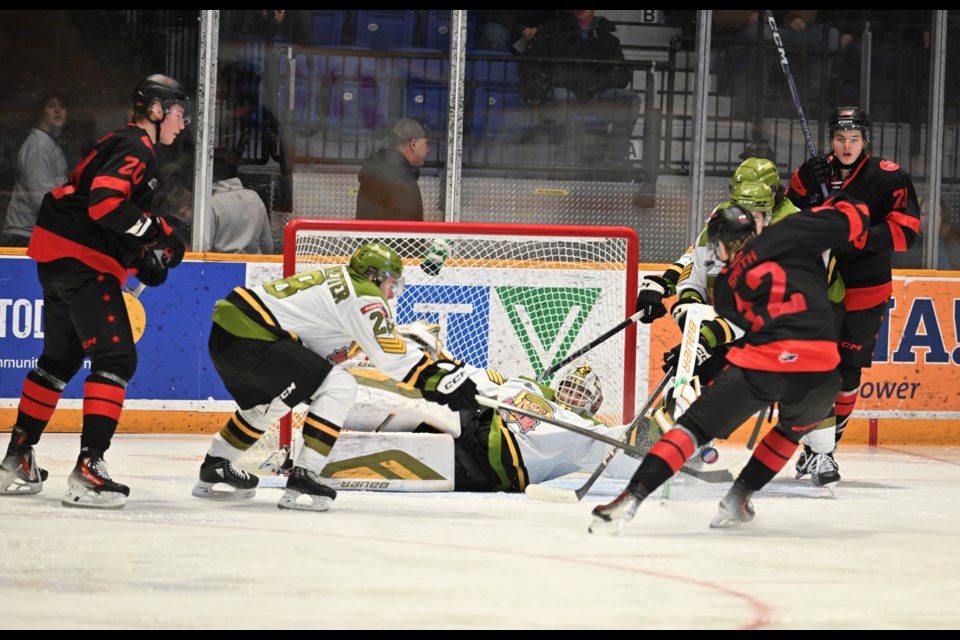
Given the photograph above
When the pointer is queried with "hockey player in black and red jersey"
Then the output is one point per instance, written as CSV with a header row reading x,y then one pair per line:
x,y
90,234
774,288
863,265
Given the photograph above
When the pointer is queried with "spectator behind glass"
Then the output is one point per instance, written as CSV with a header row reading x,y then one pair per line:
x,y
389,188
595,92
510,31
41,166
240,221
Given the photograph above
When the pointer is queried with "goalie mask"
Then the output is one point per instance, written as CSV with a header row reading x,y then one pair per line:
x,y
579,391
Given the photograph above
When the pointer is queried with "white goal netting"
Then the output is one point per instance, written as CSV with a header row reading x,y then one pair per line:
x,y
515,298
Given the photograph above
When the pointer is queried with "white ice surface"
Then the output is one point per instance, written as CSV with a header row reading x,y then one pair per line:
x,y
883,554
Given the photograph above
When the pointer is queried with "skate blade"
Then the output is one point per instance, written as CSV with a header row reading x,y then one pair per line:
x,y
14,485
92,500
208,491
291,500
724,522
829,490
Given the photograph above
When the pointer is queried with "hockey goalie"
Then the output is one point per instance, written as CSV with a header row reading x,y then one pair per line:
x,y
399,442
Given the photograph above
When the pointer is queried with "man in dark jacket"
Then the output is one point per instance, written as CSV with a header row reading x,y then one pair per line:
x,y
388,179
589,97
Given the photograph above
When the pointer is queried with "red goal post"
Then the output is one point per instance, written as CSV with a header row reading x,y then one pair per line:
x,y
515,298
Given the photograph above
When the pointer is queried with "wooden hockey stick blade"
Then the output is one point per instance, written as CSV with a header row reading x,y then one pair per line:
x,y
570,357
555,494
718,475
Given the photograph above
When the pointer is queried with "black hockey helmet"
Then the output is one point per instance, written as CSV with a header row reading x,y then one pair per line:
x,y
162,89
849,119
732,227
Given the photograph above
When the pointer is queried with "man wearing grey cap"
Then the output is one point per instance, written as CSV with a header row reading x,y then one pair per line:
x,y
388,179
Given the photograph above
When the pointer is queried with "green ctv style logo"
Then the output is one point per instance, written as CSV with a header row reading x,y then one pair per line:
x,y
547,320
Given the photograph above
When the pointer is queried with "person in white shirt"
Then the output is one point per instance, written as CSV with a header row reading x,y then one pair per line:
x,y
41,166
240,221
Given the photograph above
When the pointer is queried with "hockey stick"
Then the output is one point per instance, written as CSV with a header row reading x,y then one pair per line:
x,y
687,361
135,291
778,41
712,476
555,494
570,357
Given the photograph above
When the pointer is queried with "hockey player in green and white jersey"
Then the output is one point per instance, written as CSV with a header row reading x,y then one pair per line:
x,y
278,344
495,450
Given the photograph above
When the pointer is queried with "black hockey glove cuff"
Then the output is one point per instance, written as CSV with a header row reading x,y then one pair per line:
x,y
653,289
448,384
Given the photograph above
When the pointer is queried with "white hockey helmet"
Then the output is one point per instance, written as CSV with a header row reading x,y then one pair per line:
x,y
579,390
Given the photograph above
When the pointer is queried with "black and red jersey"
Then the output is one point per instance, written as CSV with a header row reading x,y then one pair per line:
x,y
99,216
894,225
776,291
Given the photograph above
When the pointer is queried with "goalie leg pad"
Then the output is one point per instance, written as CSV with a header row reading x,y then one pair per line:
x,y
391,462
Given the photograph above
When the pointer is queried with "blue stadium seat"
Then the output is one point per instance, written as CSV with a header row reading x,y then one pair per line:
x,y
384,30
327,27
438,30
493,100
423,84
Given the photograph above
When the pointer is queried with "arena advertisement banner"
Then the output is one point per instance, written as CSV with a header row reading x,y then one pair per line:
x,y
172,361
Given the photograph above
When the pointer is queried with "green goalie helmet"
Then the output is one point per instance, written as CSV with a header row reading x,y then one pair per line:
x,y
759,170
754,196
376,261
579,391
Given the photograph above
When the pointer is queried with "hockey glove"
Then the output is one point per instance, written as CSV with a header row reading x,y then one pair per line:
x,y
671,359
150,269
165,242
816,170
679,309
448,384
653,289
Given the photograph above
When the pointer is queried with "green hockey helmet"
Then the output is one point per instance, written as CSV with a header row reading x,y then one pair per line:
x,y
376,261
757,169
754,196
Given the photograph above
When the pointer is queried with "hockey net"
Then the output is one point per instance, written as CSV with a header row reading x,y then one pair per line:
x,y
514,298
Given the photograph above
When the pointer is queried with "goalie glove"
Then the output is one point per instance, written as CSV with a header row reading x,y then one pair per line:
x,y
448,384
427,337
653,290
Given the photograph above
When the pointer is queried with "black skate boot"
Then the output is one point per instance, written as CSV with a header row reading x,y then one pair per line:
x,y
803,462
610,518
218,471
825,472
19,473
90,485
303,482
735,508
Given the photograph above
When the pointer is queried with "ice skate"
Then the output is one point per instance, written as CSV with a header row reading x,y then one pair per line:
x,y
303,482
825,472
90,485
220,480
19,473
803,462
609,518
735,508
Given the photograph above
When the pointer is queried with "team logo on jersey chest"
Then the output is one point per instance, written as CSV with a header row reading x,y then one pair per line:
x,y
888,165
529,402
